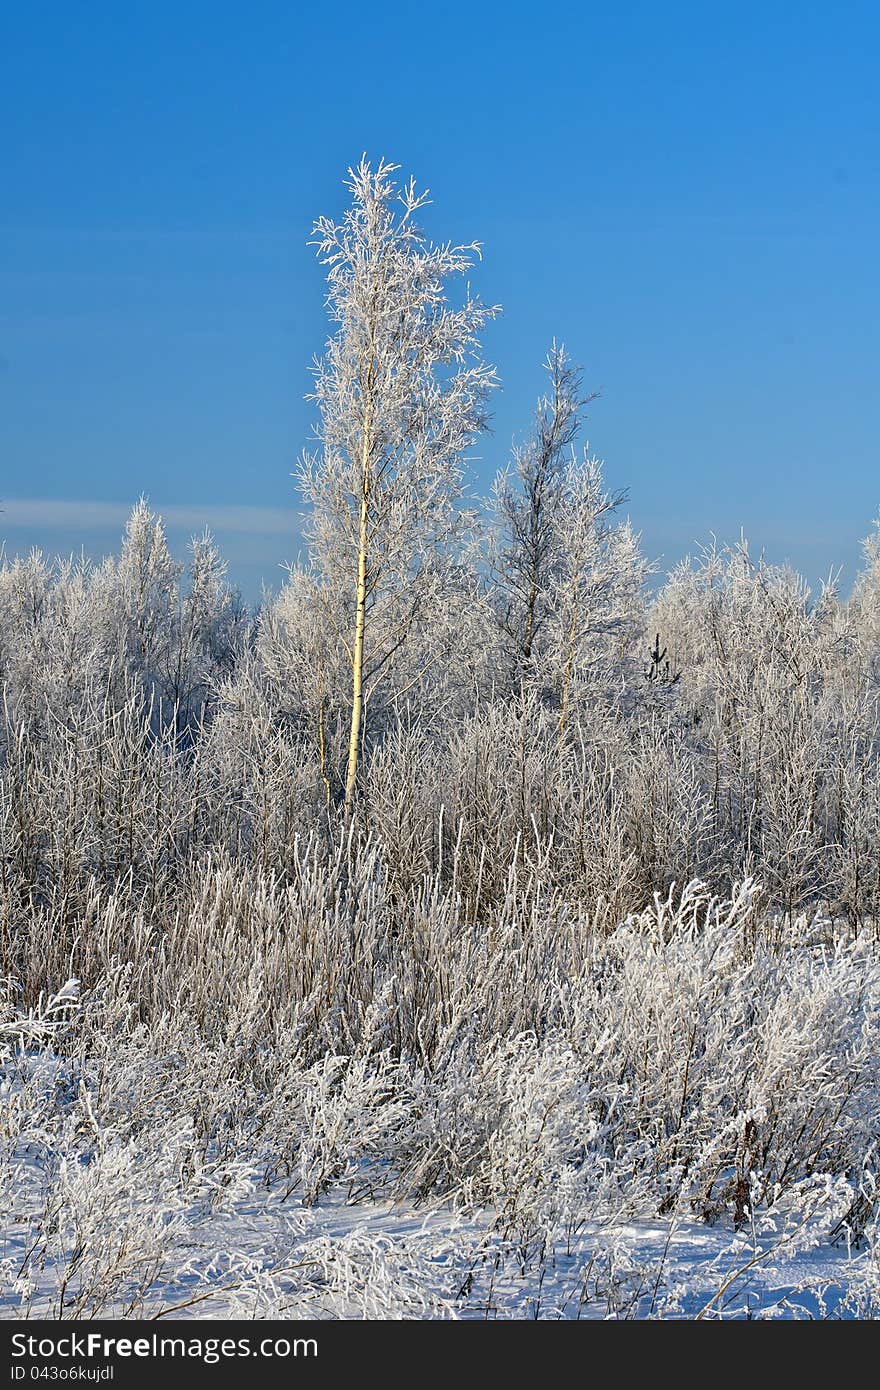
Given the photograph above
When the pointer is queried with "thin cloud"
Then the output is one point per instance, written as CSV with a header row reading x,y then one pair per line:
x,y
57,514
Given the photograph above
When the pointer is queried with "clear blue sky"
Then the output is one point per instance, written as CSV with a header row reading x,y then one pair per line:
x,y
687,194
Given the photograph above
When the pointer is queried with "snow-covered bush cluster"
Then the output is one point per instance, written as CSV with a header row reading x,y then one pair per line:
x,y
470,931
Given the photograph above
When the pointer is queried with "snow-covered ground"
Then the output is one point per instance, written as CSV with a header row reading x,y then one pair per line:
x,y
268,1257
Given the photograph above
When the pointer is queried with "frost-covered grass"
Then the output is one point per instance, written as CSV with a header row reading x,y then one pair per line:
x,y
521,1118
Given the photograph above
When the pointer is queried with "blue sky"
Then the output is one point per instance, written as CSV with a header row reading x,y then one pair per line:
x,y
687,195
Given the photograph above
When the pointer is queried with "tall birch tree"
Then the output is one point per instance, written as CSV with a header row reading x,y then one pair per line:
x,y
401,393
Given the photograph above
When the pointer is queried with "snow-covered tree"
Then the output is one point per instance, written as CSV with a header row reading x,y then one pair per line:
x,y
564,576
529,502
401,393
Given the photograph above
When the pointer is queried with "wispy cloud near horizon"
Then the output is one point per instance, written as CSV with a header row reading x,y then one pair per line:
x,y
58,514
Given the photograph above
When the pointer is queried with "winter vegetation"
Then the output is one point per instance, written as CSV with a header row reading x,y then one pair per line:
x,y
476,930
